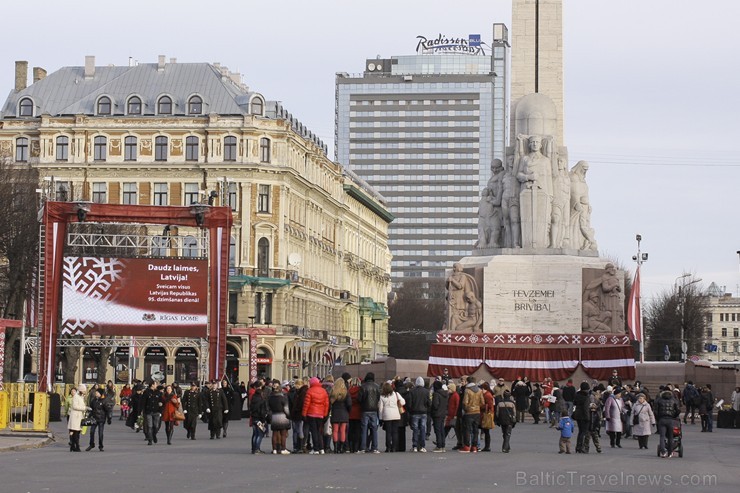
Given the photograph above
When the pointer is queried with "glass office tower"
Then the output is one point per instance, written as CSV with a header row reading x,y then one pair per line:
x,y
422,130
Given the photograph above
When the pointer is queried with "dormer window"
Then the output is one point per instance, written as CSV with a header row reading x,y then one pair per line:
x,y
195,106
164,105
134,106
104,106
258,107
25,108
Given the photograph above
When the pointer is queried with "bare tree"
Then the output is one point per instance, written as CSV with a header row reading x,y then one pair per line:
x,y
19,234
681,306
416,314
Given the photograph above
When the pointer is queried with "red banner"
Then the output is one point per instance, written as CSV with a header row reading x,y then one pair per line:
x,y
127,296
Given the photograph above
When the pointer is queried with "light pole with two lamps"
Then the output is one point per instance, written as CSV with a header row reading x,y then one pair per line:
x,y
640,258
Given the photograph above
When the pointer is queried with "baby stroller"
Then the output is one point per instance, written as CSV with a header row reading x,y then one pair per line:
x,y
125,407
677,439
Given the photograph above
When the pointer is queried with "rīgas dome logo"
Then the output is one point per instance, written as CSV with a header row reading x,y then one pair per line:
x,y
148,317
444,44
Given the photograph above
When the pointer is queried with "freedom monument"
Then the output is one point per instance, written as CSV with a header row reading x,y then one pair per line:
x,y
535,299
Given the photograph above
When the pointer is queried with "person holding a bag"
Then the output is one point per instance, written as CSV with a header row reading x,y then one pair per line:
x,y
487,416
390,408
77,411
171,413
643,420
100,413
440,403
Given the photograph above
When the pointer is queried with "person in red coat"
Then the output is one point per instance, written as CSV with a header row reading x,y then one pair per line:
x,y
315,409
355,415
171,404
452,406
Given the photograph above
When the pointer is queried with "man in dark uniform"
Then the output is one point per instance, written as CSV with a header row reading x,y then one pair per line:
x,y
192,407
216,407
152,408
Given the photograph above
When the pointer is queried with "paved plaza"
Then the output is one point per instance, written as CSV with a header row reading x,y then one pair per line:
x,y
128,464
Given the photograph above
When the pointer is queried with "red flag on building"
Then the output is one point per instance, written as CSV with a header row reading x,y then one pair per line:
x,y
634,314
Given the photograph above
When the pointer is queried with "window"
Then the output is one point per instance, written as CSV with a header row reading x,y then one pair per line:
x,y
709,332
735,332
263,199
21,149
134,106
231,197
230,148
191,193
62,148
736,347
164,105
232,252
257,106
25,108
62,191
195,106
191,148
264,150
160,245
99,193
189,247
263,258
129,148
724,347
129,194
100,148
160,194
724,332
160,148
104,106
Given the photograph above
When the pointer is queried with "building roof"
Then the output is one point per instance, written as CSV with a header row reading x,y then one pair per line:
x,y
68,92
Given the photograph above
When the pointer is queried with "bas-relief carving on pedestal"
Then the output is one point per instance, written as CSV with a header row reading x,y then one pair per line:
x,y
603,301
464,310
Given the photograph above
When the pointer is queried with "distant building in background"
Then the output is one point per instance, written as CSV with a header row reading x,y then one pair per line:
x,y
309,257
722,331
422,130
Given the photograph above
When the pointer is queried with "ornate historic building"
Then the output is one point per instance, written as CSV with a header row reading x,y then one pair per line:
x,y
722,330
309,262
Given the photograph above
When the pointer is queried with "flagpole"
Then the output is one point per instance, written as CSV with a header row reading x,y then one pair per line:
x,y
640,258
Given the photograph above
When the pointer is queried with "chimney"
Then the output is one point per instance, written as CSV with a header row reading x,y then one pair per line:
x,y
38,74
160,65
173,60
89,66
21,75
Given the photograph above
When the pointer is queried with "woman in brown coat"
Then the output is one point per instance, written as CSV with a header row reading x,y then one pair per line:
x,y
171,404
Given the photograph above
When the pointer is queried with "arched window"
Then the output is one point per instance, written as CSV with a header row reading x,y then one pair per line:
x,y
104,106
258,107
134,106
160,148
230,148
25,108
21,149
189,247
100,148
164,105
191,148
264,150
130,148
263,257
195,106
62,148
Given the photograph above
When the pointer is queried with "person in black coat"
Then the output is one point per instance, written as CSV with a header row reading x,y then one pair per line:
x,y
192,407
216,407
581,415
520,393
152,405
229,394
100,413
438,411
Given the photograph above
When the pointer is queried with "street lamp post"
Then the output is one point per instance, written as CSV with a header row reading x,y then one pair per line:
x,y
681,302
640,258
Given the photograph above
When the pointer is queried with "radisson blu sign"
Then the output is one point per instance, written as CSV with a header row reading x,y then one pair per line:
x,y
444,44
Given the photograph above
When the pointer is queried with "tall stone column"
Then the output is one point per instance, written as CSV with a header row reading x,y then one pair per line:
x,y
537,54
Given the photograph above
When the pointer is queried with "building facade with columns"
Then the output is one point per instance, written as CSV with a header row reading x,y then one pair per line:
x,y
309,259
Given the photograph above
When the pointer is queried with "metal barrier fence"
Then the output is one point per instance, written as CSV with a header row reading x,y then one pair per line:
x,y
22,408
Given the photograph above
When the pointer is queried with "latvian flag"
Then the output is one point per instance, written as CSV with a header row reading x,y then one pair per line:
x,y
329,357
634,314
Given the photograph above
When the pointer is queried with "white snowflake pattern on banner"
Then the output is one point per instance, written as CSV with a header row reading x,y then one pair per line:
x,y
94,277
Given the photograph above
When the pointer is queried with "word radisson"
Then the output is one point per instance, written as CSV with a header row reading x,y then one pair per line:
x,y
443,44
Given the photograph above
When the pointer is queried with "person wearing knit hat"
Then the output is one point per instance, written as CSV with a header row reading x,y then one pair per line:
x,y
76,413
418,408
506,419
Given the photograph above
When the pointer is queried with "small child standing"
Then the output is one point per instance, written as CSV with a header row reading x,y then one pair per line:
x,y
566,432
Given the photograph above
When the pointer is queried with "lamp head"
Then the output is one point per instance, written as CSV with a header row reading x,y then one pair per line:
x,y
638,237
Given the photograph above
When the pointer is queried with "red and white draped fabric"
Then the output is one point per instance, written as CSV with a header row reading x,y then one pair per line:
x,y
537,363
634,314
598,362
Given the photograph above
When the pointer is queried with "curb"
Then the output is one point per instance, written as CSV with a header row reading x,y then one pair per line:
x,y
29,446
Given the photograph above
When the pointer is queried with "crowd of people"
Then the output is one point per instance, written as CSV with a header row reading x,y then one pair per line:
x,y
344,415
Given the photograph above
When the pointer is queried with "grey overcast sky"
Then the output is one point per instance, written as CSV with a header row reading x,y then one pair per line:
x,y
652,91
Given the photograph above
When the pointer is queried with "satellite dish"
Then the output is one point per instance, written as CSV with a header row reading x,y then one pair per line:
x,y
294,259
371,66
